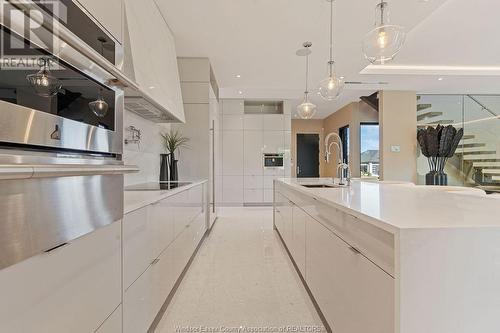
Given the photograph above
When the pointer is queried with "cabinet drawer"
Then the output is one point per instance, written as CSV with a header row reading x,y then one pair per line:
x,y
375,243
161,220
113,324
355,295
138,304
138,245
71,289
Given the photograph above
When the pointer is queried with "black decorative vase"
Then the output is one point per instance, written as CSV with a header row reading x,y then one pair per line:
x,y
164,167
436,178
174,172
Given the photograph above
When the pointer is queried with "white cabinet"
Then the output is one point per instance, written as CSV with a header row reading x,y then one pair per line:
x,y
298,247
138,310
254,122
232,122
138,249
354,295
274,122
274,142
154,63
232,153
158,241
74,288
253,156
233,106
108,13
232,189
254,196
113,324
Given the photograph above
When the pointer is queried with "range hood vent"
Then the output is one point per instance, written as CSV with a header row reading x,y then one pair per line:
x,y
147,110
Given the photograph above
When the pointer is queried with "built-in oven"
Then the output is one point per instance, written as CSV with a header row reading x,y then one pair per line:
x,y
273,161
61,124
56,96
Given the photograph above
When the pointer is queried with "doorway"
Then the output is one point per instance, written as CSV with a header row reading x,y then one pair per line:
x,y
307,155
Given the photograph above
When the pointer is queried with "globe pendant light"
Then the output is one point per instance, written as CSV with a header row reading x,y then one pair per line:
x,y
306,110
44,84
385,41
331,87
99,106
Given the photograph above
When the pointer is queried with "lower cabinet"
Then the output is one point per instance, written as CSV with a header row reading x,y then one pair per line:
x,y
74,288
113,324
354,295
298,246
174,227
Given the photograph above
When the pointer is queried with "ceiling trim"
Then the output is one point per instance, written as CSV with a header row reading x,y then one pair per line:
x,y
431,70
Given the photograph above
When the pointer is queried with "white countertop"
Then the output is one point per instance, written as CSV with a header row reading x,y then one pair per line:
x,y
134,200
395,206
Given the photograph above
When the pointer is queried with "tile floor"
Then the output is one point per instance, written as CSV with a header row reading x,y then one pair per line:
x,y
241,277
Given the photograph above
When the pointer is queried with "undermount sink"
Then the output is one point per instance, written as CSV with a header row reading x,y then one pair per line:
x,y
321,186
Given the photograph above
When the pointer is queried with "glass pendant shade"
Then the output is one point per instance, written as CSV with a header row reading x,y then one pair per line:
x,y
385,41
99,106
44,83
331,87
306,110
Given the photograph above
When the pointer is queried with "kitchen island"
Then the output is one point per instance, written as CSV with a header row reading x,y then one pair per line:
x,y
385,258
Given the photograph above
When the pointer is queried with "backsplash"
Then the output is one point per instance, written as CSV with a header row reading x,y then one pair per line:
x,y
145,154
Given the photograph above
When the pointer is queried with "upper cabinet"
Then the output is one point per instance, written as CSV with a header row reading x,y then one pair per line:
x,y
108,13
150,55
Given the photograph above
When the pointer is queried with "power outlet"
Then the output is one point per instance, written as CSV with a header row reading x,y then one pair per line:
x,y
396,149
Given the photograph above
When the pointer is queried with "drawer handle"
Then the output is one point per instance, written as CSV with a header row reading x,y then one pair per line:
x,y
154,262
55,247
355,250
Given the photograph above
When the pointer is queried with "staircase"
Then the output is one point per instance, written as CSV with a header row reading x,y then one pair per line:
x,y
481,163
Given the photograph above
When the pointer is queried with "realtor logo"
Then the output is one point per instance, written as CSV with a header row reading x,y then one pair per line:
x,y
29,35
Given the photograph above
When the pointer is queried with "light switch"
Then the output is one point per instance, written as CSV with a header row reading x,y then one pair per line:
x,y
396,149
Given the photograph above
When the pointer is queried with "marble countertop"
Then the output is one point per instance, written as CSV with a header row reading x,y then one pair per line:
x,y
137,199
395,206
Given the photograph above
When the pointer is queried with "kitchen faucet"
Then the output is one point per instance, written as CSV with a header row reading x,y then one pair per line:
x,y
341,166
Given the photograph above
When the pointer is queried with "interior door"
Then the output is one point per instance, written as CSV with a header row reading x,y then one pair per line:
x,y
307,155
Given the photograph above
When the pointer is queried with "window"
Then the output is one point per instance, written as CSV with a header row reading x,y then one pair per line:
x,y
369,143
344,136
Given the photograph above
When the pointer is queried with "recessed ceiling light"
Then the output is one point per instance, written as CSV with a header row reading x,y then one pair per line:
x,y
151,87
238,76
240,92
342,77
440,79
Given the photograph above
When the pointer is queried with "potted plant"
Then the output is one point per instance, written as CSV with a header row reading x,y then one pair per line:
x,y
438,144
172,141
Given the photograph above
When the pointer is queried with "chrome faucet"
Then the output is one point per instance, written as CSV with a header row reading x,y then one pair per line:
x,y
341,166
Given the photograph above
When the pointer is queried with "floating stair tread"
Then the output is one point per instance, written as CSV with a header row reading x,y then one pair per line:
x,y
482,150
484,157
421,107
491,171
429,115
491,165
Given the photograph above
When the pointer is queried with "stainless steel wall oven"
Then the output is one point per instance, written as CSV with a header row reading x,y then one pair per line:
x,y
61,124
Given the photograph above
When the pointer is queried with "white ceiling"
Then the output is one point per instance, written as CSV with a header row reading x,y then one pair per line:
x,y
257,39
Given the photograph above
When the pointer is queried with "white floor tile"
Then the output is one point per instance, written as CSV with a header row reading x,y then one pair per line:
x,y
241,276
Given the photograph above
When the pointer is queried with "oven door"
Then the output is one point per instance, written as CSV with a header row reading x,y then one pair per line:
x,y
64,120
273,161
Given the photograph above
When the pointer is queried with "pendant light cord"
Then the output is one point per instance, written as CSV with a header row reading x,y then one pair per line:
x,y
307,74
382,12
330,63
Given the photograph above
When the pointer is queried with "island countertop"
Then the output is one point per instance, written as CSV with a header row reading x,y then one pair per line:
x,y
394,206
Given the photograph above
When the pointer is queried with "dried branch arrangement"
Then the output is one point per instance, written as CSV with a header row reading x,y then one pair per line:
x,y
439,144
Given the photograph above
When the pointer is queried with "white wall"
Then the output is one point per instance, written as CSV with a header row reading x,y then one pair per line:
x,y
245,138
146,154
